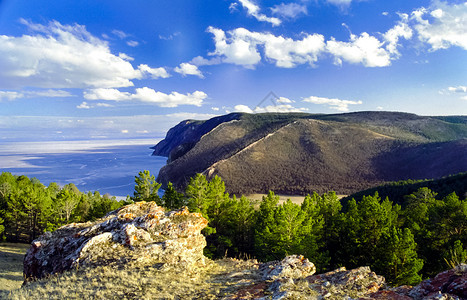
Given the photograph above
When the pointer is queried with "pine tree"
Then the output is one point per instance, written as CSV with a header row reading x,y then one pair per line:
x,y
172,199
397,258
146,188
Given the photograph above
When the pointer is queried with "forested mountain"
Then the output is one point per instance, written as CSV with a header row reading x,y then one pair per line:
x,y
297,153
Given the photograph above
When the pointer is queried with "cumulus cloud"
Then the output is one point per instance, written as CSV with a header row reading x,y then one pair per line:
x,y
392,36
83,105
62,56
243,108
333,103
284,100
155,73
147,95
188,69
442,26
241,48
363,49
289,10
254,11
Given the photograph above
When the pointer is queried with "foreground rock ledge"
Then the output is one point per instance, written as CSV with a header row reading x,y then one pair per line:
x,y
141,234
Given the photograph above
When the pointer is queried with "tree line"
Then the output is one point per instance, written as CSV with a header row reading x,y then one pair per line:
x,y
28,208
404,243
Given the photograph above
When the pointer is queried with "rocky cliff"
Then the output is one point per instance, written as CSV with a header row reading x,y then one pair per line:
x,y
300,153
142,252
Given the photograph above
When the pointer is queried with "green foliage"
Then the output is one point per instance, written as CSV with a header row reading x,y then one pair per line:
x,y
397,258
197,194
172,199
146,188
401,244
28,208
457,255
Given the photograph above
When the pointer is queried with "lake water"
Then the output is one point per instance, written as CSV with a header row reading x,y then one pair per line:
x,y
104,166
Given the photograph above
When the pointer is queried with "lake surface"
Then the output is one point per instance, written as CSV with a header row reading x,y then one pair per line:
x,y
104,166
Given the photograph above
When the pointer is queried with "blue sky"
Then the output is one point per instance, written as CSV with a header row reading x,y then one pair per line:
x,y
132,69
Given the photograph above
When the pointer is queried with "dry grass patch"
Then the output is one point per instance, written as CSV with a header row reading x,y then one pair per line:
x,y
214,281
11,266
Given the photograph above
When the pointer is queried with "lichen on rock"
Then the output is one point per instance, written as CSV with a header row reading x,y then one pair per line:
x,y
141,233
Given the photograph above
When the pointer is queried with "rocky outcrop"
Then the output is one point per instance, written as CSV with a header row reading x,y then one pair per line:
x,y
451,284
292,278
140,234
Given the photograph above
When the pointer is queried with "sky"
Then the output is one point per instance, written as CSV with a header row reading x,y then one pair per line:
x,y
93,70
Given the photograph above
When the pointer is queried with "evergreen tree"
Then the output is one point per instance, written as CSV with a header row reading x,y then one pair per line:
x,y
146,188
397,258
264,235
197,194
172,199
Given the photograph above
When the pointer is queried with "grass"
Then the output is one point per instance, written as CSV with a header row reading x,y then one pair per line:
x,y
11,266
150,282
216,280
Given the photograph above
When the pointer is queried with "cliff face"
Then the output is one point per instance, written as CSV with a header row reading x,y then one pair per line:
x,y
181,138
301,153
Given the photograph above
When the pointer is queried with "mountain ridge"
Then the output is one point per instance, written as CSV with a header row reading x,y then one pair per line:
x,y
297,153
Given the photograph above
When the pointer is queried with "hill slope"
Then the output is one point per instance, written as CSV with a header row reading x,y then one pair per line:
x,y
299,153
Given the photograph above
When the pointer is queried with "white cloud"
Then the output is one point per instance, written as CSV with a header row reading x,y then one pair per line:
x,y
155,73
122,35
62,56
254,11
281,108
132,43
334,103
284,100
83,105
201,61
364,49
368,50
234,50
392,36
106,94
169,37
50,93
125,57
443,25
241,48
10,95
215,108
243,108
458,89
104,105
188,69
149,95
289,10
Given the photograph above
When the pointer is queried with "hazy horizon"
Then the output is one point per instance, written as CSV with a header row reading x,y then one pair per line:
x,y
79,70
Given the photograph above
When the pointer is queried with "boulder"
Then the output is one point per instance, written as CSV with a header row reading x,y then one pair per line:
x,y
451,284
141,234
